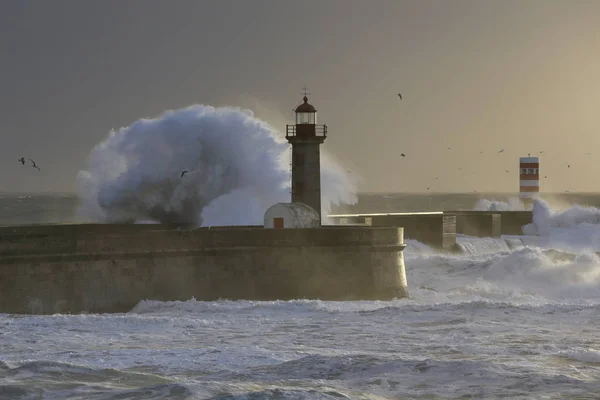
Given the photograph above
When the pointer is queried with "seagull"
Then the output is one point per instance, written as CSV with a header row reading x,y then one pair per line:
x,y
34,165
427,188
545,176
402,155
460,169
449,148
506,170
501,151
183,173
22,160
400,95
542,152
568,165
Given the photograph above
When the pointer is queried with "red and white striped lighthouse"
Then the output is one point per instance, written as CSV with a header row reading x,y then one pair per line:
x,y
529,178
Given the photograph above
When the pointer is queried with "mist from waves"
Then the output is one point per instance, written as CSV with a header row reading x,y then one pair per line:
x,y
237,165
558,226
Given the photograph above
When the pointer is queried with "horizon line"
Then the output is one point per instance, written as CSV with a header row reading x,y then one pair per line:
x,y
51,193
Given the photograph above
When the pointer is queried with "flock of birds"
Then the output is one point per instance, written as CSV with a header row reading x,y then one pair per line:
x,y
34,165
507,171
403,155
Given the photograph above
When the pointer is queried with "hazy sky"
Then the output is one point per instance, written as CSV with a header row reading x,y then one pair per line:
x,y
479,75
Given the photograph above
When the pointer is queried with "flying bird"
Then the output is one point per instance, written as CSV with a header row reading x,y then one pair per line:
x,y
501,151
33,164
22,160
400,95
506,170
402,155
183,173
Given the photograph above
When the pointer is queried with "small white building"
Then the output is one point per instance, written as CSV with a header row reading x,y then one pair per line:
x,y
292,215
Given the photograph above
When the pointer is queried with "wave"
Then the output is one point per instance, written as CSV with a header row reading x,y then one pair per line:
x,y
529,275
590,356
237,165
32,378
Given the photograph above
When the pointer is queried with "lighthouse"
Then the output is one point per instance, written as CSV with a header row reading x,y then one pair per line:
x,y
306,138
529,179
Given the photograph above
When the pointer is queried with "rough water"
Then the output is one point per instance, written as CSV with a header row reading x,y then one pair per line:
x,y
516,317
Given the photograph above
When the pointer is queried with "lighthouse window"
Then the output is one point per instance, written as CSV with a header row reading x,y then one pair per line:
x,y
523,171
530,171
306,118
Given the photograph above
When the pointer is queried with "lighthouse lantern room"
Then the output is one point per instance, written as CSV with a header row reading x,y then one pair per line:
x,y
306,138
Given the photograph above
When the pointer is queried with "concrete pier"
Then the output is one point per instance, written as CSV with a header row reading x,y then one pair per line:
x,y
439,229
477,223
434,229
99,268
513,221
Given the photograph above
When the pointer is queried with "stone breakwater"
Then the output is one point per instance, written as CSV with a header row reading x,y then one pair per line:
x,y
110,268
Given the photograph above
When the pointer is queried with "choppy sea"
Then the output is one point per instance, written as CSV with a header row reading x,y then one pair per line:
x,y
502,321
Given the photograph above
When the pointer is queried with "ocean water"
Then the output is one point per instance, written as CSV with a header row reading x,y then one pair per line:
x,y
516,317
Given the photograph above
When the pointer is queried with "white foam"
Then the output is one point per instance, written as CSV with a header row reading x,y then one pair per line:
x,y
575,229
583,355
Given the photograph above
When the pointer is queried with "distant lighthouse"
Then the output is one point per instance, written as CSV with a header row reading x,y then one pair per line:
x,y
306,138
529,179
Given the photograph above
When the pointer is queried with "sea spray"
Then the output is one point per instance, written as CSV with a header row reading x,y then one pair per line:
x,y
237,167
576,228
513,204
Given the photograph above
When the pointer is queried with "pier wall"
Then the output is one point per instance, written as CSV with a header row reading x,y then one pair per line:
x,y
76,268
513,221
434,229
477,223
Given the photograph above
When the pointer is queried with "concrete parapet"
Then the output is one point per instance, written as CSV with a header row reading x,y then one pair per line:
x,y
46,272
477,223
434,229
77,229
513,221
347,220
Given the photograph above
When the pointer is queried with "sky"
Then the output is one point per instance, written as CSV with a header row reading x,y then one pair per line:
x,y
476,76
